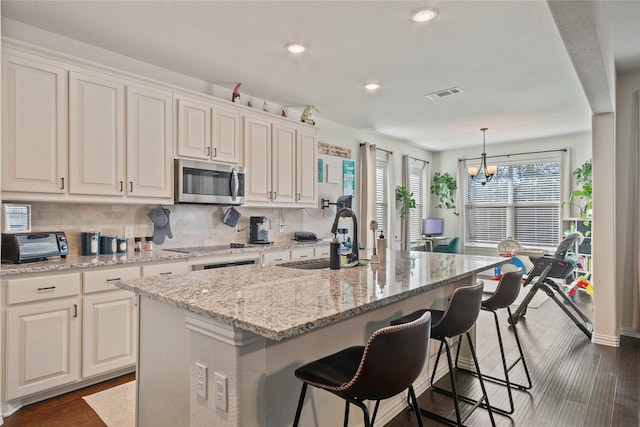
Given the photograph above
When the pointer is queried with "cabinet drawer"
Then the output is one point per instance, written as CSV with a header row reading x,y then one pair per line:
x,y
322,251
42,288
273,257
297,254
106,280
163,269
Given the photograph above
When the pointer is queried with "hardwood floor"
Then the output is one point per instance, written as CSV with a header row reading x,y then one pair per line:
x,y
575,382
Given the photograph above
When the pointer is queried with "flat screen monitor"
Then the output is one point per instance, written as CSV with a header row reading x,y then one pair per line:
x,y
344,202
432,227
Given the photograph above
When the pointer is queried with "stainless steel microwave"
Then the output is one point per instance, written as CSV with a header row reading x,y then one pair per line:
x,y
208,183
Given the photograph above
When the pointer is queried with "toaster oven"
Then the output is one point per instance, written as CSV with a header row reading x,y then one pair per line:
x,y
34,246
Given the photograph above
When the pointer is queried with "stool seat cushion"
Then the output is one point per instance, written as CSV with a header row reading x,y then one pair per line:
x,y
332,372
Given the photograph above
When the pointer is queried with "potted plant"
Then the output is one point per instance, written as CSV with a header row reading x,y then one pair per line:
x,y
444,187
582,194
405,199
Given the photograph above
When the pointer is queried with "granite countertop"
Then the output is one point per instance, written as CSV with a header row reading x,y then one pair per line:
x,y
280,302
75,262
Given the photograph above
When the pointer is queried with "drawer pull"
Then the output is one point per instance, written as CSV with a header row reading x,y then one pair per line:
x,y
165,273
114,280
304,256
75,310
48,288
279,259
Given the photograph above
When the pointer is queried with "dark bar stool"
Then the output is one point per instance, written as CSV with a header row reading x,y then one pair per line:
x,y
506,293
386,366
456,320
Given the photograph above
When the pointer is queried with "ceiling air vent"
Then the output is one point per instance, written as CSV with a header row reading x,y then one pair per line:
x,y
443,93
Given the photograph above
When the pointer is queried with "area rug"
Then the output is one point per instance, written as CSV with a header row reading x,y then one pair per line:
x,y
116,406
539,299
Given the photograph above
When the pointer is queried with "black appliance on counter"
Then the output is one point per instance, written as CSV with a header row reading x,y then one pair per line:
x,y
34,246
305,236
258,230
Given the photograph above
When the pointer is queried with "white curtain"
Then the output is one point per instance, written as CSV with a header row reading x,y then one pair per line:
x,y
635,139
367,193
391,197
405,235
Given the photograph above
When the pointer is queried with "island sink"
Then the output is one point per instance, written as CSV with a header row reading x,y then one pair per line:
x,y
307,265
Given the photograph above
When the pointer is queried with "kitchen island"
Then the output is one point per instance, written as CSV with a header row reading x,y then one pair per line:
x,y
252,326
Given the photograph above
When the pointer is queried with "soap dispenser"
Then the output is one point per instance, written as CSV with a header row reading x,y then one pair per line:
x,y
334,253
382,247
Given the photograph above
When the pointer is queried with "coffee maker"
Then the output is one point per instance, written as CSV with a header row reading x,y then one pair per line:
x,y
258,230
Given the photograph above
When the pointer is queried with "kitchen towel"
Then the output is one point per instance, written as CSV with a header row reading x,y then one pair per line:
x,y
161,224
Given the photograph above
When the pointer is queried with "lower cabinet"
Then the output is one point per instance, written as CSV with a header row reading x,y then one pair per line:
x,y
108,332
42,346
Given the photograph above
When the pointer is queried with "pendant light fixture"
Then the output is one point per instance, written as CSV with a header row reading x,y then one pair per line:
x,y
484,173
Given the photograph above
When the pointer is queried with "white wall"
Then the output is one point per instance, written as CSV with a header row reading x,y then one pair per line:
x,y
627,193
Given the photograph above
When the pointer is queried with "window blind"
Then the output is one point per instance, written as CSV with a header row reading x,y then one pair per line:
x,y
382,194
416,186
522,201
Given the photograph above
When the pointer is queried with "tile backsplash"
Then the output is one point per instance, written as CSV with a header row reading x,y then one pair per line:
x,y
192,225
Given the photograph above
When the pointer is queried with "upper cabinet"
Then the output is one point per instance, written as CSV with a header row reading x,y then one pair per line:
x,y
34,125
207,130
76,134
281,163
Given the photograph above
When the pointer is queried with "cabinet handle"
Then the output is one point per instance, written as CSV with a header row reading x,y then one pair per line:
x,y
275,195
208,151
62,183
130,186
298,196
75,310
279,259
304,256
48,288
165,273
114,280
121,186
215,152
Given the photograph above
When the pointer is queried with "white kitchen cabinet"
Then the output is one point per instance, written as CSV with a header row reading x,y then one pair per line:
x,y
257,159
281,163
322,251
42,335
306,168
149,143
109,332
165,269
274,257
194,128
302,253
225,134
96,135
207,130
34,126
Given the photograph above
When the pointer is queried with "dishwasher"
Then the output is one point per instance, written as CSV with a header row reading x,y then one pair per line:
x,y
217,261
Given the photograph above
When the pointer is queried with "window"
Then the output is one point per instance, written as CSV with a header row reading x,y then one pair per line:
x,y
382,192
416,186
522,201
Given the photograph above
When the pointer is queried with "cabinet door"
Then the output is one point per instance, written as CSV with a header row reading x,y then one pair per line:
x,y
34,125
96,135
283,164
306,168
225,134
194,128
257,153
42,346
149,159
109,332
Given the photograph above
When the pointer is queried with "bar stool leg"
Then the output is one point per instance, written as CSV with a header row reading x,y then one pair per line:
x,y
346,413
296,420
524,362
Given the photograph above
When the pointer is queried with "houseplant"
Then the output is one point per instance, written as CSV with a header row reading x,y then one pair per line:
x,y
405,199
582,194
444,187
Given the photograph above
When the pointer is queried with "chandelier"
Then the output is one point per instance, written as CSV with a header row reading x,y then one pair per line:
x,y
484,173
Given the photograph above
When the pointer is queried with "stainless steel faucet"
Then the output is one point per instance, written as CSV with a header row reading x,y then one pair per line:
x,y
348,213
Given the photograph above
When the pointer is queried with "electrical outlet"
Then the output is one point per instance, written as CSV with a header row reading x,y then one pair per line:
x,y
128,232
201,380
221,391
282,228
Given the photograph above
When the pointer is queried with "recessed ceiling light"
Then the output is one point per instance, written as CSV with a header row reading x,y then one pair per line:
x,y
424,15
372,86
296,48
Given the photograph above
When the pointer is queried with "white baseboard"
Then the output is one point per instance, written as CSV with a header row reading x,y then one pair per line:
x,y
628,332
608,340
